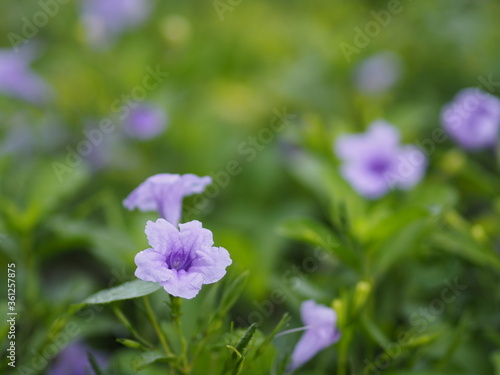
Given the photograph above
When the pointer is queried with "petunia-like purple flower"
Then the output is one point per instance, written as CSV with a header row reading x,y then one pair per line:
x,y
472,119
145,121
181,260
378,73
321,332
105,20
164,193
375,162
73,360
18,80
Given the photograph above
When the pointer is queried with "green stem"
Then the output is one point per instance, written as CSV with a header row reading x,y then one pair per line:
x,y
156,326
122,318
176,304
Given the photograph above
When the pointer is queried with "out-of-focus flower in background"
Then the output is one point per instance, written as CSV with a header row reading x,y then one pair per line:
x,y
378,73
73,360
164,193
105,20
320,332
17,80
472,119
145,121
181,260
375,162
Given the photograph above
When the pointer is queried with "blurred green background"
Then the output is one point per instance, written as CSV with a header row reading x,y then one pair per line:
x,y
71,238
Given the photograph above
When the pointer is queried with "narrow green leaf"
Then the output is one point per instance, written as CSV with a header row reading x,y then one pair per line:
x,y
245,339
131,344
145,359
462,244
232,293
317,234
129,290
495,358
284,320
400,245
94,364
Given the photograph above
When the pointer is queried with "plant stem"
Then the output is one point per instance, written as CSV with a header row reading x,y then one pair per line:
x,y
157,328
176,304
119,314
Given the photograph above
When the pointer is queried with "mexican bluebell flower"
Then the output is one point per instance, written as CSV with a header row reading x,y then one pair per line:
x,y
18,80
74,360
472,119
181,260
164,193
145,121
375,162
105,20
378,73
321,332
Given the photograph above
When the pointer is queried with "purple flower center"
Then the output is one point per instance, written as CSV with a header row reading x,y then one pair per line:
x,y
179,260
379,165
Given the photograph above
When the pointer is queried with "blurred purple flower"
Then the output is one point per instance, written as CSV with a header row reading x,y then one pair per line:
x,y
18,80
164,193
73,360
378,73
105,20
321,332
145,121
472,119
375,162
181,260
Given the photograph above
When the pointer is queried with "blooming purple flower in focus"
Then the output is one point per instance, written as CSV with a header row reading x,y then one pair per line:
x,y
181,260
321,332
472,119
18,80
73,360
378,73
164,193
145,122
105,20
375,162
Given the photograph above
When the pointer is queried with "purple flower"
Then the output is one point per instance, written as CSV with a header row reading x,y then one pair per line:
x,y
321,332
18,80
164,193
472,119
181,260
73,360
105,20
378,73
375,162
145,121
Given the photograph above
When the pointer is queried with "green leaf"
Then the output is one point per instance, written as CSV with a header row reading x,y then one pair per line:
x,y
232,293
309,231
94,364
129,290
398,246
245,339
145,359
284,320
463,244
374,332
495,358
131,344
317,234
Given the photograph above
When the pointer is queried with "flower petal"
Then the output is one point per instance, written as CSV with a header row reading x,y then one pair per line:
x,y
211,263
151,266
411,166
369,185
194,237
163,236
183,284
